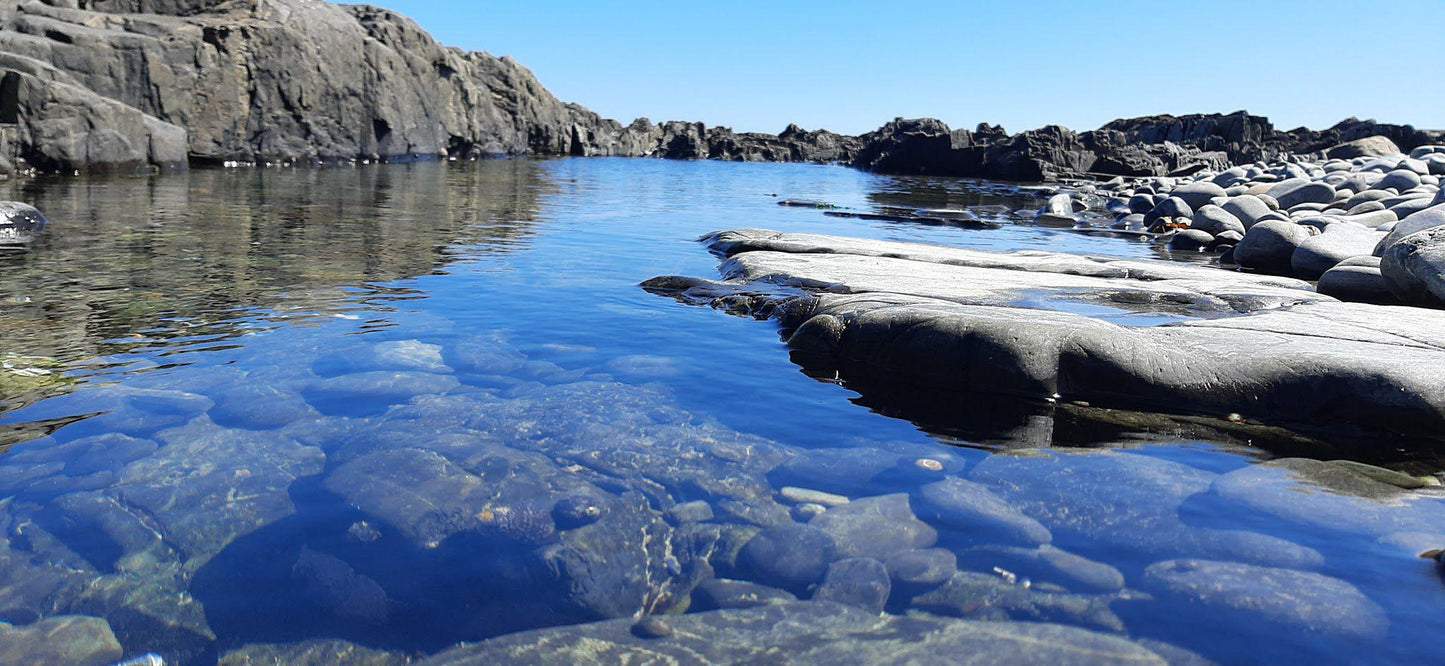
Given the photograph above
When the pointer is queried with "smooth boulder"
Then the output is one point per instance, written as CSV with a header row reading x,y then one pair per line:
x,y
1215,221
1270,246
1414,267
1339,242
1370,146
1298,191
1359,283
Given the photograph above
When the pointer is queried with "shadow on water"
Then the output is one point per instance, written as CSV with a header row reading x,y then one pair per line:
x,y
999,421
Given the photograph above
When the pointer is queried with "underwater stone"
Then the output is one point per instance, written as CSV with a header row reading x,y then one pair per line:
x,y
311,653
790,556
718,593
60,641
1260,600
978,513
812,632
859,581
1047,563
875,527
1132,502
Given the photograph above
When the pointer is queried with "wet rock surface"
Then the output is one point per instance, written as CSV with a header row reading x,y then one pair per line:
x,y
950,318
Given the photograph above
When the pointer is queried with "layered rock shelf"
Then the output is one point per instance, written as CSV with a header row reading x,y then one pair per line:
x,y
1238,345
1364,220
108,85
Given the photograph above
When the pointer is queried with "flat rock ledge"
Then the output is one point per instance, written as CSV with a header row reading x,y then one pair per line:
x,y
1258,346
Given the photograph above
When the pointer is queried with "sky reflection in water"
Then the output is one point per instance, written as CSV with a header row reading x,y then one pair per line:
x,y
414,405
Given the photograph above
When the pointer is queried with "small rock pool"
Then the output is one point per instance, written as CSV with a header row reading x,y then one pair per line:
x,y
370,414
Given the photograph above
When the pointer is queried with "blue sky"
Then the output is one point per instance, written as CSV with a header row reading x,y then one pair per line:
x,y
851,66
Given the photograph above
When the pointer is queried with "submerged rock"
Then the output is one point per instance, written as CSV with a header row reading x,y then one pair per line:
x,y
20,223
60,641
914,571
331,583
1132,502
978,514
1000,596
1261,600
874,527
808,632
1331,496
311,653
791,557
207,486
860,581
721,593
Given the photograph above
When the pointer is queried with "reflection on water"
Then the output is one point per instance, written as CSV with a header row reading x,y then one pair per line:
x,y
406,407
133,260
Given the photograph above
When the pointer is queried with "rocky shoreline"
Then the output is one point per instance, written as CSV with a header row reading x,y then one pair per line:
x,y
1363,221
95,86
1251,346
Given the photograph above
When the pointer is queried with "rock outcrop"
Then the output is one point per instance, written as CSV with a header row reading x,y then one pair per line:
x,y
123,84
975,321
99,85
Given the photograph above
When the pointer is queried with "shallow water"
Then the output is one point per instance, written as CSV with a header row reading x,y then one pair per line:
x,y
414,405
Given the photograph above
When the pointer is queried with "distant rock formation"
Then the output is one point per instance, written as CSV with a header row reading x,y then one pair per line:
x,y
125,84
1149,146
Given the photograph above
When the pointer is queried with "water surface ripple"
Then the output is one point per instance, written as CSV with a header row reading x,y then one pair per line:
x,y
411,406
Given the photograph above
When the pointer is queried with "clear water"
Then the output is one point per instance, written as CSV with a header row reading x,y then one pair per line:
x,y
264,406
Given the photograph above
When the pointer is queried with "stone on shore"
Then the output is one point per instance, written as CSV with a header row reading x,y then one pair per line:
x,y
1248,209
1370,146
1340,241
1216,220
1191,239
1298,191
1356,282
1414,267
1198,195
1270,246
